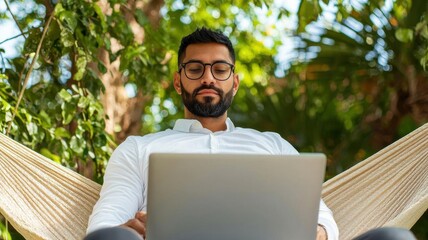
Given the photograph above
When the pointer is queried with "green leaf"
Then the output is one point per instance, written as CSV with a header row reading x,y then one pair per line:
x,y
65,95
308,12
422,29
61,133
101,67
45,152
91,154
45,120
8,117
101,16
83,102
404,35
32,128
67,38
77,145
424,61
100,140
58,9
69,18
89,128
68,112
81,67
4,232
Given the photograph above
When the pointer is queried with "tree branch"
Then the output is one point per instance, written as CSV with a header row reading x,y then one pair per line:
x,y
8,39
27,77
13,16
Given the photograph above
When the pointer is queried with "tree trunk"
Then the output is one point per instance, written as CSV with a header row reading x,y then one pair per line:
x,y
124,113
410,98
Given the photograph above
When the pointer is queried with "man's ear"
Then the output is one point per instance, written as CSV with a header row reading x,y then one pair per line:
x,y
235,83
177,85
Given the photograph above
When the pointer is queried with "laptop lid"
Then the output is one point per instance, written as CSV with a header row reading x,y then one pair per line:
x,y
233,196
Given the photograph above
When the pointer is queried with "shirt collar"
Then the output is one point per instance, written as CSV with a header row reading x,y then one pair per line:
x,y
194,126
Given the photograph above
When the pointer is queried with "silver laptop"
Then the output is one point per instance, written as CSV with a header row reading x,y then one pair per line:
x,y
233,196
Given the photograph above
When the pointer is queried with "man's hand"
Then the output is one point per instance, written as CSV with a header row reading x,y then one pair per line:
x,y
138,223
321,233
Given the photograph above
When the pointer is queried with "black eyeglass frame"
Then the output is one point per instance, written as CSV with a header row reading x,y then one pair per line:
x,y
183,66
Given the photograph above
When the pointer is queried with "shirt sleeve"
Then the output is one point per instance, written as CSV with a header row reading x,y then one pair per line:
x,y
325,218
282,145
122,190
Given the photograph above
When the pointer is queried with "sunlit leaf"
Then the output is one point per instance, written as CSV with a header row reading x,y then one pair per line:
x,y
404,35
61,133
81,66
45,152
69,18
65,95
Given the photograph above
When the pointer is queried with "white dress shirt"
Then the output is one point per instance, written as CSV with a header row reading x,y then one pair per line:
x,y
124,189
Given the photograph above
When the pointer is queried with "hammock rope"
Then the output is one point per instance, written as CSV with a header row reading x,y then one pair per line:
x,y
40,198
44,200
390,188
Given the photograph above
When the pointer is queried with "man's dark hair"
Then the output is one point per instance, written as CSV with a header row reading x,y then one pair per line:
x,y
204,35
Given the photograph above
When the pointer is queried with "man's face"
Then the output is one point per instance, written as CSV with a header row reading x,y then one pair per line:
x,y
206,96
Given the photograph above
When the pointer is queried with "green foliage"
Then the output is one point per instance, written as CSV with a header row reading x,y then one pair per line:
x,y
60,115
4,233
421,32
308,12
346,90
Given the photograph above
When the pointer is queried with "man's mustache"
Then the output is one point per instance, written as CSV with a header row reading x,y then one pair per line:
x,y
218,90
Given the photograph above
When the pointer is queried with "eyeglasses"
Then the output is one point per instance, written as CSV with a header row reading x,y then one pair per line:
x,y
220,70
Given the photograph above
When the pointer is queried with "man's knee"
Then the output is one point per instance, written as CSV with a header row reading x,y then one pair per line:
x,y
113,233
387,233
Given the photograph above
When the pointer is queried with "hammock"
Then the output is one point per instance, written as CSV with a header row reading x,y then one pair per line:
x,y
43,200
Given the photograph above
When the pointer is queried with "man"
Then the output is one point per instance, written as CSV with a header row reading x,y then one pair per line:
x,y
207,83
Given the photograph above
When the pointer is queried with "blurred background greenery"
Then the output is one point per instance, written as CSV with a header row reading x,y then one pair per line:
x,y
342,77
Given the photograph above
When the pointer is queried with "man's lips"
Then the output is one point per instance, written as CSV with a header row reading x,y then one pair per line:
x,y
208,92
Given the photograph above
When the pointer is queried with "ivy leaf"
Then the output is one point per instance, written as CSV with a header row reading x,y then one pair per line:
x,y
45,152
69,18
45,120
61,133
100,140
88,126
101,16
65,95
77,145
81,66
67,113
67,38
83,102
32,128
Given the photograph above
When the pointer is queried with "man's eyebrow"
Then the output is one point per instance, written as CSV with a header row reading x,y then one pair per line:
x,y
214,61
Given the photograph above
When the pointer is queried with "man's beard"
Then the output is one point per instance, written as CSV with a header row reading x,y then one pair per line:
x,y
207,108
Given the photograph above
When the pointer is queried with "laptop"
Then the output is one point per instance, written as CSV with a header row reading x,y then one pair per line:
x,y
233,196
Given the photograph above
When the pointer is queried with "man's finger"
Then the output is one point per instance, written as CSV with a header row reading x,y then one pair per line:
x,y
142,216
137,225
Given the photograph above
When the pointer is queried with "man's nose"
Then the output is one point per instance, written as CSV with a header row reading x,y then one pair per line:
x,y
208,78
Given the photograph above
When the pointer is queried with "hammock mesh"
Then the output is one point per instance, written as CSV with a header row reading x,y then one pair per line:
x,y
40,198
44,200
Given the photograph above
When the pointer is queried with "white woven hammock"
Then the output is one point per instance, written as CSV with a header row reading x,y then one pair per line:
x,y
44,200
